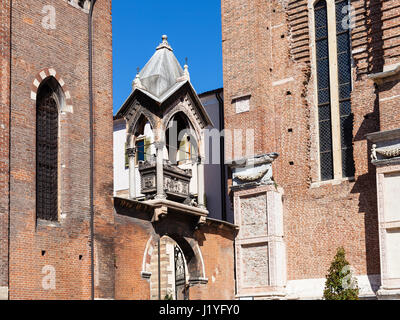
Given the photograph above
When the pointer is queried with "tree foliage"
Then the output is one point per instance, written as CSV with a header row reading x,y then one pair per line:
x,y
340,283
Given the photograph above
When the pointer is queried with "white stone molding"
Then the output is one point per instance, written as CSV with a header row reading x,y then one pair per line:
x,y
260,247
3,293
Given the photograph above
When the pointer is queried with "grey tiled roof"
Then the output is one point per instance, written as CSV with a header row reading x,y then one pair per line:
x,y
162,71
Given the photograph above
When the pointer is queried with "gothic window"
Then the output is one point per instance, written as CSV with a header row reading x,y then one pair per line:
x,y
144,140
181,140
47,108
324,99
334,89
345,88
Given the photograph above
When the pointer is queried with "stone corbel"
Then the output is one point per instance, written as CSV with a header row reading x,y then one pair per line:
x,y
202,221
389,71
159,213
196,281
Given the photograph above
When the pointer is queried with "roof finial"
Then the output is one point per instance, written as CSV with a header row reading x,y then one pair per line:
x,y
186,71
137,83
164,43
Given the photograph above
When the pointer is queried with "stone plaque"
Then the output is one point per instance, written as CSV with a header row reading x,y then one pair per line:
x,y
254,216
255,265
242,104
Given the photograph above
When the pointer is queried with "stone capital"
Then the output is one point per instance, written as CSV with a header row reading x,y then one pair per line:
x,y
131,152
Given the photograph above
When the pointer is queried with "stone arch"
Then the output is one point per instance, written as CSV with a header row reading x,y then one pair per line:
x,y
180,109
192,254
141,112
66,105
185,105
186,141
50,145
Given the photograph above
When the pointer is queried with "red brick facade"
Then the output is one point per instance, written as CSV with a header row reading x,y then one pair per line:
x,y
37,250
208,251
4,136
266,54
62,52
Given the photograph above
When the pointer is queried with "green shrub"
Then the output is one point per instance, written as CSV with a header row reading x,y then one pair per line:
x,y
340,283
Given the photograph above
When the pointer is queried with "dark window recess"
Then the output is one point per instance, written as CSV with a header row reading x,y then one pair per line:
x,y
140,150
84,4
345,87
324,98
46,155
181,290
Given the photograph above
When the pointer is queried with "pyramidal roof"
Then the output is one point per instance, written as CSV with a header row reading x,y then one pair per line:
x,y
160,78
162,71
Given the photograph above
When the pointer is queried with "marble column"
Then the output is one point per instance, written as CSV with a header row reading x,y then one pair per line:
x,y
132,172
200,183
160,170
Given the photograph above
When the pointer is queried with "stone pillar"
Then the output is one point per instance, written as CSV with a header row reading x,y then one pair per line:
x,y
385,155
200,183
132,172
259,245
160,170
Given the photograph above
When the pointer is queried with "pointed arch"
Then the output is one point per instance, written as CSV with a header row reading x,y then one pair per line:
x,y
182,139
40,78
191,250
135,121
49,101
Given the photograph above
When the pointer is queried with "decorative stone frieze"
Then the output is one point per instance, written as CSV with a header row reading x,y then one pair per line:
x,y
176,180
253,171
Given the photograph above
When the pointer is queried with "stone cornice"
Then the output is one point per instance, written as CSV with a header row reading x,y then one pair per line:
x,y
384,135
254,161
389,71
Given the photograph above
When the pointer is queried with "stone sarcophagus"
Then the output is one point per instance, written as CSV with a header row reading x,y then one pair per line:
x,y
176,180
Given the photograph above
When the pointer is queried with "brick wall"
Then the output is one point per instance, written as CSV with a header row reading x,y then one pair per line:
x,y
130,246
219,263
103,145
64,246
266,53
4,137
136,251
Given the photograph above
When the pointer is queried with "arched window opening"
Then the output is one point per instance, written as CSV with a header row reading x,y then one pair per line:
x,y
143,142
334,89
169,271
324,97
144,139
181,141
49,99
345,86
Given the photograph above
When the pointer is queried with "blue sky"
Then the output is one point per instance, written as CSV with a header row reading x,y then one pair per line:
x,y
193,29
